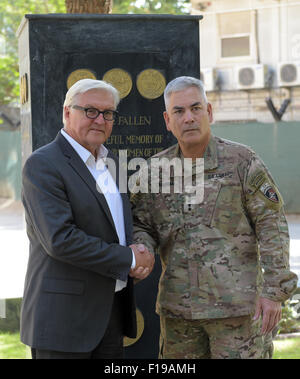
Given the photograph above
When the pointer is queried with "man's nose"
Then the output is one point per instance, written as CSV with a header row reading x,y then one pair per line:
x,y
100,119
188,116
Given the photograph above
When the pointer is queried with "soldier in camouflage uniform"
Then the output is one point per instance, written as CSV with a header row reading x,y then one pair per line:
x,y
225,261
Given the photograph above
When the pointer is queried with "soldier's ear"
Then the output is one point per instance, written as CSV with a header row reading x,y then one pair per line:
x,y
210,112
167,120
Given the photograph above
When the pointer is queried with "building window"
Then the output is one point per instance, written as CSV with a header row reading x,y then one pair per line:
x,y
237,34
235,47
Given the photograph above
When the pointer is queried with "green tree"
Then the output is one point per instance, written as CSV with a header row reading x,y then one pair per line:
x,y
151,6
12,12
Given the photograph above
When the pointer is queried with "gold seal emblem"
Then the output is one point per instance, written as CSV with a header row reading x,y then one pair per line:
x,y
151,83
140,328
120,79
78,75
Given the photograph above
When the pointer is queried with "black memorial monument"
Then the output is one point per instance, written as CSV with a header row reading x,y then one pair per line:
x,y
139,55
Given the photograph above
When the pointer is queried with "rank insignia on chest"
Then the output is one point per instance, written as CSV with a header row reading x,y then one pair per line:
x,y
220,175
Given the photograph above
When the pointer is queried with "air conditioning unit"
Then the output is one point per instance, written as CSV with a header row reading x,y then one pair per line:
x,y
208,77
251,76
288,74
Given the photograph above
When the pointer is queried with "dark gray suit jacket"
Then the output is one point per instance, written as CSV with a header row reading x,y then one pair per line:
x,y
75,256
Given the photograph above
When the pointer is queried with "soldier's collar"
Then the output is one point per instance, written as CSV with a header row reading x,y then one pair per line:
x,y
210,155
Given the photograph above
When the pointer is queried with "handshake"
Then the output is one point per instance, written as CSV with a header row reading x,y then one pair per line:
x,y
144,262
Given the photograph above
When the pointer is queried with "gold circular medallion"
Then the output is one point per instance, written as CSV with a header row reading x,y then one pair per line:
x,y
120,79
140,328
151,83
78,75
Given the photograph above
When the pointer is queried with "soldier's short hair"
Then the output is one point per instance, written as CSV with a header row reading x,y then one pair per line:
x,y
181,83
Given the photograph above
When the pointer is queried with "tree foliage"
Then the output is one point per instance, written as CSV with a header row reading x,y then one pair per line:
x,y
12,12
151,6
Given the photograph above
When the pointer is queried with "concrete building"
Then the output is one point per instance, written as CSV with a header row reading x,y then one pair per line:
x,y
250,52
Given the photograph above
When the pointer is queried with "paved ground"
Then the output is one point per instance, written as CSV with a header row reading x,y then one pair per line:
x,y
14,248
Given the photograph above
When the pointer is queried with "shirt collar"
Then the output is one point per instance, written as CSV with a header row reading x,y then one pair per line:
x,y
210,154
82,151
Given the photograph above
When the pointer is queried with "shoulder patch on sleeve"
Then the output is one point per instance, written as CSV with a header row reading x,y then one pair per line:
x,y
260,183
269,192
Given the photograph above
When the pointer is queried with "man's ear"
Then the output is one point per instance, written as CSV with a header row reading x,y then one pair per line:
x,y
210,112
66,112
167,120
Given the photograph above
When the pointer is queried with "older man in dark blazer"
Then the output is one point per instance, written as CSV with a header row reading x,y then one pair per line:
x,y
78,299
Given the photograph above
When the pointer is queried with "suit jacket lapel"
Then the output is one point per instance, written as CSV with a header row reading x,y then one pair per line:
x,y
78,165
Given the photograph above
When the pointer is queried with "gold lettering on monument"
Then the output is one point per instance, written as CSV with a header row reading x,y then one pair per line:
x,y
134,120
139,153
126,142
143,139
115,140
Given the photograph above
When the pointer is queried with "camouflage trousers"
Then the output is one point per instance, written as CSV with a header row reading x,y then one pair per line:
x,y
228,338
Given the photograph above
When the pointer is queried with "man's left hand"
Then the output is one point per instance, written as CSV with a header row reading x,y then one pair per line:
x,y
271,314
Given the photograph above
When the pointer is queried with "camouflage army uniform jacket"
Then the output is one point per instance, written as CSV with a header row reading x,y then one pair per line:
x,y
218,256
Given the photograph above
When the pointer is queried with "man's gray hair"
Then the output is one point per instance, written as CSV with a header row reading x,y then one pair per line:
x,y
84,85
181,83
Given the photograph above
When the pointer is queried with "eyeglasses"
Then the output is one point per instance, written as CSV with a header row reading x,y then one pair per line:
x,y
93,113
